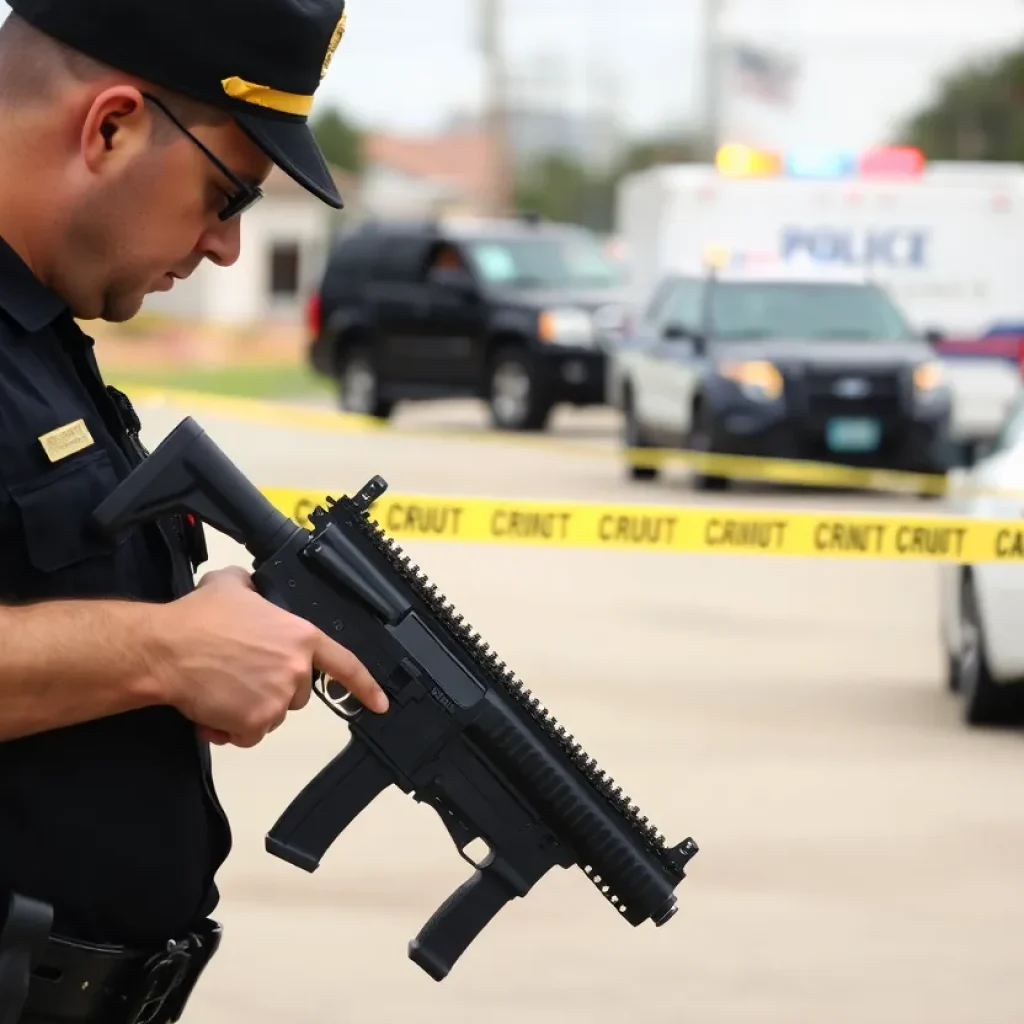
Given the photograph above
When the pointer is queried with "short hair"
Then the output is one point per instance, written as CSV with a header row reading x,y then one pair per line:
x,y
35,68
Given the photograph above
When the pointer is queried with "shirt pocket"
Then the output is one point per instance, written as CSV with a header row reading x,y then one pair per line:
x,y
55,511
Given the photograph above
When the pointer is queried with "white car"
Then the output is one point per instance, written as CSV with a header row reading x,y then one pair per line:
x,y
982,606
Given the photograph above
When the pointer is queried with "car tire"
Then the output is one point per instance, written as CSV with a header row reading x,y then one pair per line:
x,y
952,672
516,397
632,438
359,385
699,440
983,701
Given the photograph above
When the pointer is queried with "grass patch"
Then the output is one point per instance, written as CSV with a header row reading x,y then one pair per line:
x,y
289,380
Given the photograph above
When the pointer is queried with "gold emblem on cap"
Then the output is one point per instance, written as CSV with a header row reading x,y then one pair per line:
x,y
64,441
339,31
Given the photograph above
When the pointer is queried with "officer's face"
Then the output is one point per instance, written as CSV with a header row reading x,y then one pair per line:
x,y
150,216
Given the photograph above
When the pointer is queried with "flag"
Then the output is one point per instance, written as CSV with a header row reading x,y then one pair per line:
x,y
764,76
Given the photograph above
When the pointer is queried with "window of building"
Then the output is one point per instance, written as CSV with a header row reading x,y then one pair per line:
x,y
284,269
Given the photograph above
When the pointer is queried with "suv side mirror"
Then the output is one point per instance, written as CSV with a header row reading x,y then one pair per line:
x,y
453,279
934,336
677,332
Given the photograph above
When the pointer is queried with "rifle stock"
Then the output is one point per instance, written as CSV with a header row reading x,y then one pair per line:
x,y
462,733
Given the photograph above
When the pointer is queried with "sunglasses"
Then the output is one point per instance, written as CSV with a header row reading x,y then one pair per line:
x,y
245,194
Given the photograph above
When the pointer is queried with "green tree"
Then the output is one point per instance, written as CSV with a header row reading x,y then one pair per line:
x,y
650,152
340,140
560,188
976,114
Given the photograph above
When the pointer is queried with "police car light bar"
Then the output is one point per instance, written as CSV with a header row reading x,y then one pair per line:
x,y
738,161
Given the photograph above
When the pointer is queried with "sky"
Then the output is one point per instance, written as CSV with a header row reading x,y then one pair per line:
x,y
407,66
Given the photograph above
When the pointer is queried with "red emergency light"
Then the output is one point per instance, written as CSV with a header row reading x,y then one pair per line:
x,y
894,161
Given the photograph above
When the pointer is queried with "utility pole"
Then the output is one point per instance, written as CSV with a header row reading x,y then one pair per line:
x,y
712,64
496,103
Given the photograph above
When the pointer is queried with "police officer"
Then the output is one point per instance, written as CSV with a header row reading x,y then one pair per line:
x,y
133,135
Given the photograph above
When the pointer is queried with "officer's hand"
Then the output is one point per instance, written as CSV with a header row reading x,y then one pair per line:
x,y
231,572
235,664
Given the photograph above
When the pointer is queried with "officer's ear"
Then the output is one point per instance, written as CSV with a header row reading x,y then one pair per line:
x,y
116,127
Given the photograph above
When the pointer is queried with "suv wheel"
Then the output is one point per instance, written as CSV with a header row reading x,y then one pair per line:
x,y
700,440
514,394
359,386
983,701
633,438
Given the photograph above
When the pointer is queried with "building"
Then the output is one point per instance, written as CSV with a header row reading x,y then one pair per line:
x,y
413,176
285,238
594,140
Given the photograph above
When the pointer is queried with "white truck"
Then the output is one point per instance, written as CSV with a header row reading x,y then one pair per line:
x,y
944,239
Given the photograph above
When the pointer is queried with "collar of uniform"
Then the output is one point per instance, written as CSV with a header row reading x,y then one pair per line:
x,y
23,295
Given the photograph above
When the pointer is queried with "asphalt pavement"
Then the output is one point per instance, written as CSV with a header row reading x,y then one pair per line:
x,y
860,849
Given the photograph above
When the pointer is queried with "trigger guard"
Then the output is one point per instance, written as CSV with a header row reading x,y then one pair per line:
x,y
347,707
461,835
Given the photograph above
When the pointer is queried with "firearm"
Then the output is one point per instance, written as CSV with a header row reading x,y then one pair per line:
x,y
462,734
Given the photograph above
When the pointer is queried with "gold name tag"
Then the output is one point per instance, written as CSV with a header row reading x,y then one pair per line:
x,y
64,441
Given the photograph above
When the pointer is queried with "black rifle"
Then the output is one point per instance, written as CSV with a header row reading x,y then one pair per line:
x,y
461,733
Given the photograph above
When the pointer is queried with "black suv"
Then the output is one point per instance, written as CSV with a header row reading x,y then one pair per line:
x,y
520,313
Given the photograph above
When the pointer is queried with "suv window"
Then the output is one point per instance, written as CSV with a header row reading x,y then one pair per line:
x,y
402,258
684,306
543,261
348,266
805,310
662,293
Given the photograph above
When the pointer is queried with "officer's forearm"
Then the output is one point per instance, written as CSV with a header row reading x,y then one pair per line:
x,y
67,662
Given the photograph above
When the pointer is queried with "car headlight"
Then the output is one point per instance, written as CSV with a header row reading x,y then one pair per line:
x,y
929,378
758,380
566,327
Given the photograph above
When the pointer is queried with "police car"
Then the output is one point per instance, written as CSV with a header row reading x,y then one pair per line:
x,y
752,356
942,237
982,606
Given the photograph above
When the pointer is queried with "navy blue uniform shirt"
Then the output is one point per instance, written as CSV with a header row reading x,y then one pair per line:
x,y
114,822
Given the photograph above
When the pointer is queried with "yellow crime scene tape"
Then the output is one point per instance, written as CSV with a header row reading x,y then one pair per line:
x,y
786,472
561,524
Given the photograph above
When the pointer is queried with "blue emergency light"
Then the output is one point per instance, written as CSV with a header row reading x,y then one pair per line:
x,y
809,163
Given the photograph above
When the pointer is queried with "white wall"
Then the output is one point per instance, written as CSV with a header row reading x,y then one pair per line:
x,y
241,294
184,300
389,193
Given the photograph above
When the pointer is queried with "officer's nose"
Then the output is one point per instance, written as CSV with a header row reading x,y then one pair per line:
x,y
222,244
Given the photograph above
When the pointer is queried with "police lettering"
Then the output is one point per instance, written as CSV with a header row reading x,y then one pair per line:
x,y
1010,544
424,519
638,529
737,533
880,247
530,525
861,537
930,540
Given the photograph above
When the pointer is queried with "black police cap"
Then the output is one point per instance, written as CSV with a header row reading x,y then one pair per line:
x,y
261,60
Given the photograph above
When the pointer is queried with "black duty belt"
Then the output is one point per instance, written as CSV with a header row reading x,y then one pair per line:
x,y
49,979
